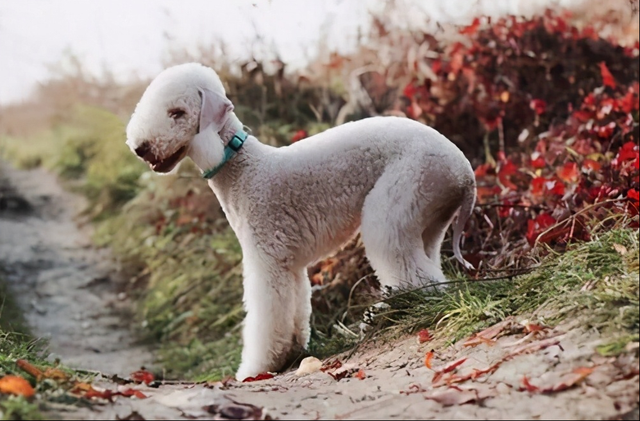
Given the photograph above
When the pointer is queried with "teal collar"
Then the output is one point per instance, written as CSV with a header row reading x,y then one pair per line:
x,y
230,151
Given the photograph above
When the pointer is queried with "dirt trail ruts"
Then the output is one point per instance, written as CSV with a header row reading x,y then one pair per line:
x,y
65,286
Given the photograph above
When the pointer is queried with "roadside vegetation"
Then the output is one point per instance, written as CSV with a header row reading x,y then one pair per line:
x,y
546,110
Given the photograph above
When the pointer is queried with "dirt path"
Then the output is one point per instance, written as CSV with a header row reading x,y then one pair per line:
x,y
65,287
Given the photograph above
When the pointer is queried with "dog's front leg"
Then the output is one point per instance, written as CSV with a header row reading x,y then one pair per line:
x,y
270,301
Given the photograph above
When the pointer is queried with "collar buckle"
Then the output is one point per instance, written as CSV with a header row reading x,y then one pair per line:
x,y
230,150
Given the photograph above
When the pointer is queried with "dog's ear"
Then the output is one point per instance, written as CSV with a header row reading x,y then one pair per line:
x,y
215,109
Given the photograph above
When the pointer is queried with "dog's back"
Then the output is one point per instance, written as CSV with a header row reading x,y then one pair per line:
x,y
383,174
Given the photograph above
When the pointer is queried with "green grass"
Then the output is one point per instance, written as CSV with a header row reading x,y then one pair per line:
x,y
15,343
88,150
186,277
592,280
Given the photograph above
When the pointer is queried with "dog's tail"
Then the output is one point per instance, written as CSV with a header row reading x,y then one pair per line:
x,y
464,213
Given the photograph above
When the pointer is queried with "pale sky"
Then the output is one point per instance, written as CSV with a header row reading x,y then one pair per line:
x,y
131,37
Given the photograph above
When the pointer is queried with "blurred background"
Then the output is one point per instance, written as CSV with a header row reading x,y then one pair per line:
x,y
541,95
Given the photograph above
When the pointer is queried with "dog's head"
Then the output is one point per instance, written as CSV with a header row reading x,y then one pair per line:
x,y
178,104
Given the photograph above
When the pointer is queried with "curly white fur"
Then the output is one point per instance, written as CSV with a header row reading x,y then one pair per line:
x,y
398,181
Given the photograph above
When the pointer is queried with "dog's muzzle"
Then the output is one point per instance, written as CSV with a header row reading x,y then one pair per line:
x,y
156,164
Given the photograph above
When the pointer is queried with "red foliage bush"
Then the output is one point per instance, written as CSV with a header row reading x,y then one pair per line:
x,y
561,105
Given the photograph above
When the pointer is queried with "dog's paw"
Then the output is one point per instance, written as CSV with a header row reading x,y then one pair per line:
x,y
245,371
370,313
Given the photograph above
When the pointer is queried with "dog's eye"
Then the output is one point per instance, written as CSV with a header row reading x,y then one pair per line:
x,y
176,113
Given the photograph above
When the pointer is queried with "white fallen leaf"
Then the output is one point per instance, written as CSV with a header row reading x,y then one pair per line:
x,y
622,250
308,366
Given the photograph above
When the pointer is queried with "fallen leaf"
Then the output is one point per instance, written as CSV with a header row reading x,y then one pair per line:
x,y
488,334
16,385
142,376
534,346
261,376
477,340
345,370
309,365
50,373
131,417
335,364
569,380
361,374
532,327
29,368
454,378
427,359
55,374
452,366
528,386
453,396
447,369
132,392
87,391
424,336
622,250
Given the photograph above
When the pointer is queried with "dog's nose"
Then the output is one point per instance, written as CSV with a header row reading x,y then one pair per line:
x,y
142,150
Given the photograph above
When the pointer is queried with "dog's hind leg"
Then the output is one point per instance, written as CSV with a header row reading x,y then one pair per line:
x,y
393,222
303,309
270,300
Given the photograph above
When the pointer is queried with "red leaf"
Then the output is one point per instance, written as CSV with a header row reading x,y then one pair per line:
x,y
424,336
449,368
132,392
410,90
606,132
142,376
16,385
538,105
627,152
607,77
471,29
583,115
361,374
570,380
477,340
261,376
633,195
333,365
483,170
537,226
299,135
569,172
532,327
591,165
427,359
629,102
528,386
537,186
558,188
506,169
539,162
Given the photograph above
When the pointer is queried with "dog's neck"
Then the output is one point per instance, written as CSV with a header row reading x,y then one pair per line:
x,y
230,128
207,153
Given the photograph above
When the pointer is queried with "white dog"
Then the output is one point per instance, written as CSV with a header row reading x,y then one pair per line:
x,y
398,180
